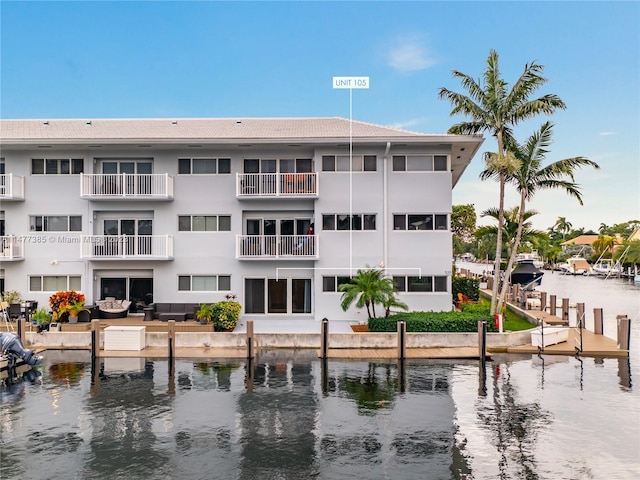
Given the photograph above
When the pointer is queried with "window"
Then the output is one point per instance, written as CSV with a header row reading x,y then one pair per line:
x,y
204,283
282,296
419,163
57,166
332,283
204,223
340,163
54,283
204,166
356,222
55,223
420,284
420,221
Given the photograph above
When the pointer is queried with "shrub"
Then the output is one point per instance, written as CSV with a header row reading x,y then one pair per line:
x,y
60,301
226,314
469,287
465,321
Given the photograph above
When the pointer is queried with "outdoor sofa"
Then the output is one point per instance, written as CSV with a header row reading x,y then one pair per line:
x,y
112,308
174,311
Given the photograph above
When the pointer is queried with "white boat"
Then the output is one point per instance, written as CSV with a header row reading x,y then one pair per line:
x,y
607,268
533,256
575,266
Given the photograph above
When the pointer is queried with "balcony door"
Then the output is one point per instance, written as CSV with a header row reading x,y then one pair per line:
x,y
139,231
139,290
139,182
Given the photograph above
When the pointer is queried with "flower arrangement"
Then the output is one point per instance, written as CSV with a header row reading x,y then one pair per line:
x,y
226,313
61,301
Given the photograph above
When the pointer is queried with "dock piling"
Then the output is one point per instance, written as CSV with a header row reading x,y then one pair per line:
x,y
624,331
324,338
402,333
598,321
95,339
250,353
543,301
22,331
580,323
565,310
482,343
171,334
553,309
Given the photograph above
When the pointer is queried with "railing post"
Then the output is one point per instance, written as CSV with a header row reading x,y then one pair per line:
x,y
171,334
324,338
250,353
624,331
402,334
580,321
598,321
565,310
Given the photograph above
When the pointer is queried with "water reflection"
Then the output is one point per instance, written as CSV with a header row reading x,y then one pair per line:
x,y
288,415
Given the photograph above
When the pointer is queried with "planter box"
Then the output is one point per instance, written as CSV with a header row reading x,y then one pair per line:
x,y
124,338
552,335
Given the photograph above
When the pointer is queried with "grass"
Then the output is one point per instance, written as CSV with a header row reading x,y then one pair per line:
x,y
512,321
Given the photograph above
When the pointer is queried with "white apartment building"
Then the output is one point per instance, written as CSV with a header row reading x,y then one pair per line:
x,y
190,210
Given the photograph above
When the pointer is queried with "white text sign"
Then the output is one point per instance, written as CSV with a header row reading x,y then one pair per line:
x,y
350,82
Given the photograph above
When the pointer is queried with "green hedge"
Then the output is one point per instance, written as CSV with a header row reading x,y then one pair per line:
x,y
465,321
469,287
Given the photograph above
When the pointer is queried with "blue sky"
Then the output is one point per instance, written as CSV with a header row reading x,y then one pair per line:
x,y
272,59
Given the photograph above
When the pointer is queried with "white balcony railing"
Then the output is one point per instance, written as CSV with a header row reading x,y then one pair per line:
x,y
11,248
251,185
145,186
11,187
127,247
291,247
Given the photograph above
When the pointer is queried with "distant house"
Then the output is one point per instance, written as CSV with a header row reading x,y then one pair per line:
x,y
581,240
635,235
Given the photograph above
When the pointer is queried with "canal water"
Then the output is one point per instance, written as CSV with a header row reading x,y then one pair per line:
x,y
290,416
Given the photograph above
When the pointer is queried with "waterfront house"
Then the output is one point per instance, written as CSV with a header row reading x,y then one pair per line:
x,y
190,210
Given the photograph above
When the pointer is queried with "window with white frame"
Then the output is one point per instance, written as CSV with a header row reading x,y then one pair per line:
x,y
355,222
54,283
340,163
419,163
425,283
204,223
420,221
331,283
55,223
204,283
277,296
57,166
204,166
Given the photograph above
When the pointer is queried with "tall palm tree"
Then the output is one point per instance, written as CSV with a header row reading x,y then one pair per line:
x,y
532,177
495,108
367,288
563,226
509,227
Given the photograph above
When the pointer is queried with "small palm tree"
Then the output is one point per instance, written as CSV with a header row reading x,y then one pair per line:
x,y
367,288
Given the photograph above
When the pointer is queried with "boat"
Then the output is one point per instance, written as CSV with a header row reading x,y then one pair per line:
x,y
575,266
526,273
607,268
15,360
533,255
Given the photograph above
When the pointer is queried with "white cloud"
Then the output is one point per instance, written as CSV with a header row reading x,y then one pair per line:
x,y
412,122
409,53
607,134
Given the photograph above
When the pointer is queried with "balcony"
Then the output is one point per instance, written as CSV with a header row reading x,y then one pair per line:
x,y
126,186
281,185
11,187
276,247
11,248
126,247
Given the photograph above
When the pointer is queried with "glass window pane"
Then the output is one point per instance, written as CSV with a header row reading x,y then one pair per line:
x,y
419,163
342,163
400,283
184,166
356,163
420,284
198,223
399,222
51,167
328,163
204,165
343,280
441,222
37,166
144,168
356,222
224,223
35,224
35,284
75,283
56,223
287,165
328,284
184,283
300,295
203,283
440,284
369,222
277,297
224,283
251,165
211,223
420,222
343,222
370,163
440,163
304,165
224,165
328,222
254,295
64,166
268,166
184,223
75,223
77,166
399,163
110,168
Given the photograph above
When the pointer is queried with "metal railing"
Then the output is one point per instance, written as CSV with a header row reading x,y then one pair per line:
x,y
276,184
277,246
11,187
130,247
11,248
127,185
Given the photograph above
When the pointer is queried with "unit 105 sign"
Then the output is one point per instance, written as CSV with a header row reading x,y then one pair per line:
x,y
350,82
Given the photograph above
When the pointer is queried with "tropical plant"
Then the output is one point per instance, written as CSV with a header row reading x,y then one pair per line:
x,y
367,288
226,314
532,177
509,226
60,300
392,302
73,308
563,226
495,108
205,312
603,244
41,317
12,296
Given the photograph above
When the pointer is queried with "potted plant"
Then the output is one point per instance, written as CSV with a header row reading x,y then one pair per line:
x,y
226,314
205,313
11,296
73,309
60,301
41,318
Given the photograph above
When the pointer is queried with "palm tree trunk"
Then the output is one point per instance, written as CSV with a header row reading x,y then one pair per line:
x,y
512,257
496,267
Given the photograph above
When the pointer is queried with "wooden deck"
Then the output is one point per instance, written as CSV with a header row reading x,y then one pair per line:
x,y
592,346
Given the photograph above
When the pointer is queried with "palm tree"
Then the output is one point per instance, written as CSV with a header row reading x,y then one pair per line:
x,y
367,288
509,227
604,243
563,226
603,228
495,108
532,177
